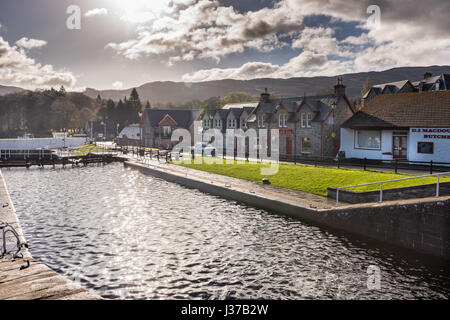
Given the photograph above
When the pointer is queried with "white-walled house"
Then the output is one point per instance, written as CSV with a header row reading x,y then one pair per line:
x,y
406,126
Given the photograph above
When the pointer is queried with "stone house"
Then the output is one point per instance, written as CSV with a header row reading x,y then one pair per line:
x,y
309,125
158,125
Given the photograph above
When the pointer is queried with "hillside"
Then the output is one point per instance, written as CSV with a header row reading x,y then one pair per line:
x,y
180,92
7,90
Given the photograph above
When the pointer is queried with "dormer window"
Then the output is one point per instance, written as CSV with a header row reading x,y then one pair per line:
x,y
309,120
261,121
282,121
303,120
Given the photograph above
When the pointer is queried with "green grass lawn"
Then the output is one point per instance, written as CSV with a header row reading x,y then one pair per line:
x,y
311,179
84,150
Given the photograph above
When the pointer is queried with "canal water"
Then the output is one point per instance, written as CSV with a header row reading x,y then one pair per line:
x,y
130,236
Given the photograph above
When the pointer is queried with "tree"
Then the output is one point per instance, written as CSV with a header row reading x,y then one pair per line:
x,y
62,91
148,106
111,111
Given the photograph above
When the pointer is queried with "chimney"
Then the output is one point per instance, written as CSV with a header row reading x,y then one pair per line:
x,y
339,89
427,75
265,96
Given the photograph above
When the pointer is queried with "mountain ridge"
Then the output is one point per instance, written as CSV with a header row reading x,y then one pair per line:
x,y
164,92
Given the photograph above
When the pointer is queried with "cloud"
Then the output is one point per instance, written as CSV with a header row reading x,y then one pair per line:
x,y
30,43
204,29
306,64
406,37
17,69
117,85
96,12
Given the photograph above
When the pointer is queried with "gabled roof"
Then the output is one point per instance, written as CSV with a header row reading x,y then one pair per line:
x,y
321,104
131,132
404,110
393,87
183,118
221,113
236,112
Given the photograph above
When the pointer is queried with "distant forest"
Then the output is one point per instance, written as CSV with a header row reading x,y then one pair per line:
x,y
43,111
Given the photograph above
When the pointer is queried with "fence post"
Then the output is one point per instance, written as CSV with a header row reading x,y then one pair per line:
x,y
437,187
431,167
381,192
396,165
365,164
339,162
337,197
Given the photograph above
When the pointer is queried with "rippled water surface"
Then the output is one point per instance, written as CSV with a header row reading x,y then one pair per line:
x,y
127,235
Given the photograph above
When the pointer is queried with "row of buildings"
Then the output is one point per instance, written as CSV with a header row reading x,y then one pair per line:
x,y
400,120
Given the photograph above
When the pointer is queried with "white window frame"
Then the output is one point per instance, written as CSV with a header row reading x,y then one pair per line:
x,y
167,131
309,120
301,146
285,121
303,120
280,120
356,145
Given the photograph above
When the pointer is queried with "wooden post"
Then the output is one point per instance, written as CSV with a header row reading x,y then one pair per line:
x,y
365,164
431,167
396,165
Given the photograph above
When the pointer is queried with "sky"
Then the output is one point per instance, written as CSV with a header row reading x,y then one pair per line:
x,y
126,43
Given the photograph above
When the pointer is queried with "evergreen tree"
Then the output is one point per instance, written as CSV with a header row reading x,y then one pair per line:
x,y
148,106
62,91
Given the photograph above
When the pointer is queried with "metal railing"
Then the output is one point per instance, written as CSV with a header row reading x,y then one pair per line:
x,y
381,183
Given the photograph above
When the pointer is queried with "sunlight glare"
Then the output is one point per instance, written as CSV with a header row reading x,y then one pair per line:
x,y
139,11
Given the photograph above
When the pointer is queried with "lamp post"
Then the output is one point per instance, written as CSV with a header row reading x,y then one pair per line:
x,y
140,133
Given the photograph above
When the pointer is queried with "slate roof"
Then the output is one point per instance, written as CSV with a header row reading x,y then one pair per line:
x,y
404,110
393,87
183,118
222,113
321,104
131,132
236,112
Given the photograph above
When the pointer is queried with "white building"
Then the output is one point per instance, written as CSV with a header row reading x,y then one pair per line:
x,y
130,136
404,126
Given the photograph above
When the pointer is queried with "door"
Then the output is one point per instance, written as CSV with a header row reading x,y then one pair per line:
x,y
400,147
288,145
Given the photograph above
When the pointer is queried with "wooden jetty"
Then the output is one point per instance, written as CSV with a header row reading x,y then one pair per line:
x,y
39,158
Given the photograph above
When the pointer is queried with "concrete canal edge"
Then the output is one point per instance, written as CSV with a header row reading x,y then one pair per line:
x,y
420,225
37,281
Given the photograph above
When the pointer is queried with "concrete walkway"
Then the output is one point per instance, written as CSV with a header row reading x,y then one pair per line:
x,y
37,281
297,198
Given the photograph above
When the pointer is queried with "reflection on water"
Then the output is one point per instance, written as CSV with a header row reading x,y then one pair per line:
x,y
127,235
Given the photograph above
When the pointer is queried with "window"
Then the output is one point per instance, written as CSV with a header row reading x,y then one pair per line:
x,y
306,145
167,131
303,122
309,119
368,140
331,120
261,121
425,147
282,121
